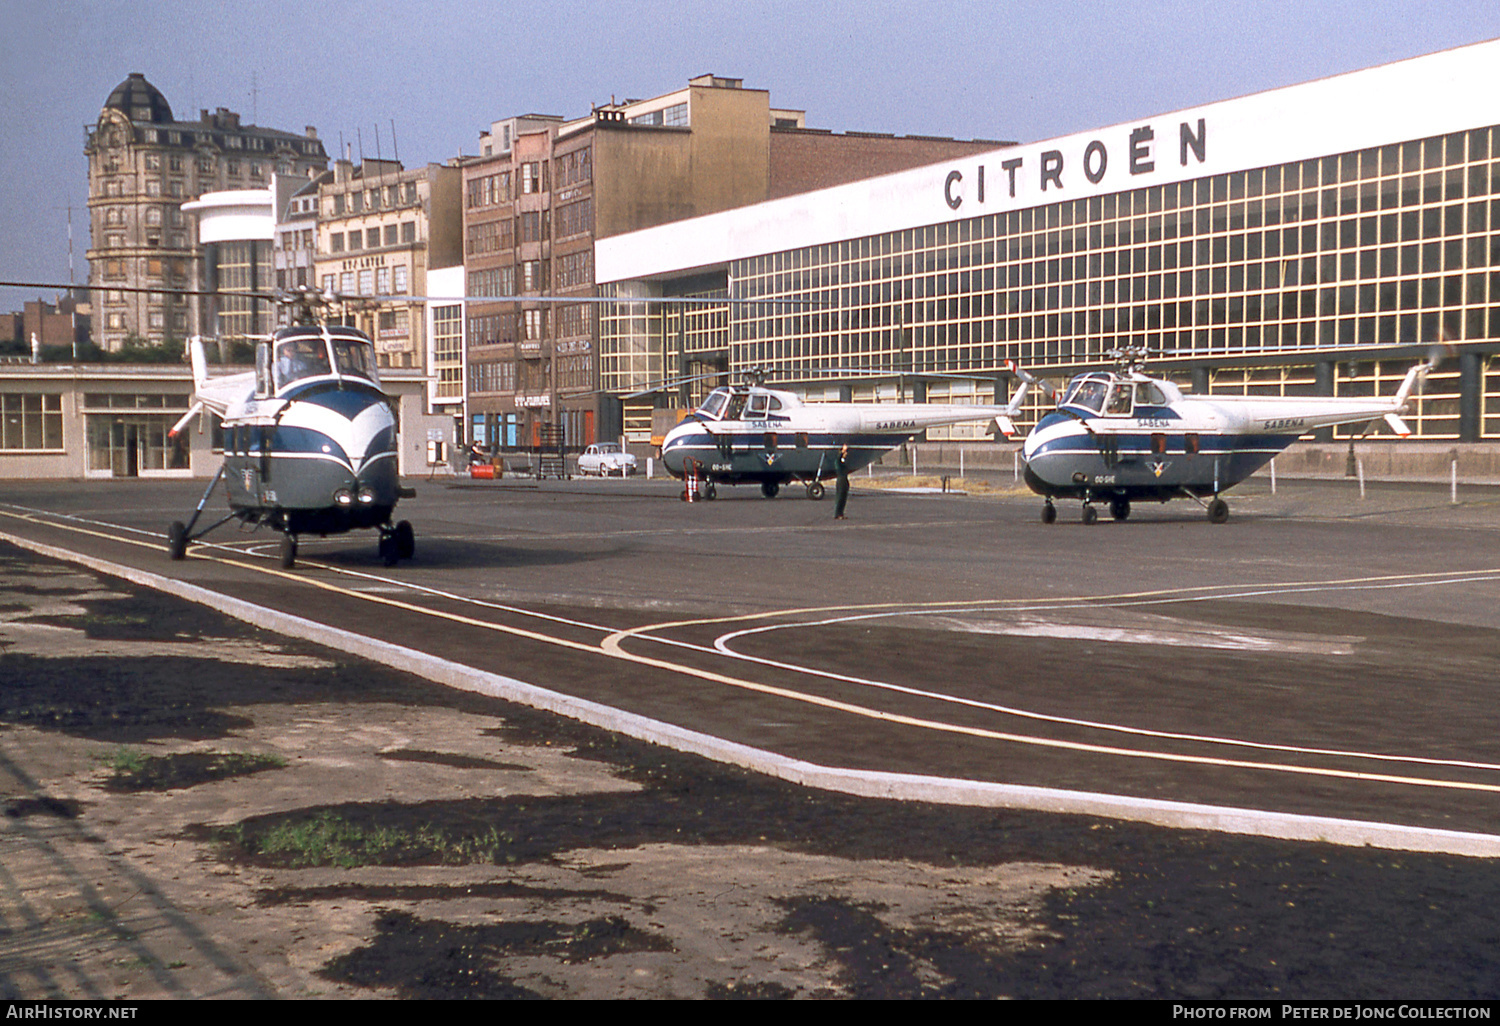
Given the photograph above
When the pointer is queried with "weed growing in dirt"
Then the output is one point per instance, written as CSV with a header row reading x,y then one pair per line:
x,y
331,840
124,760
133,770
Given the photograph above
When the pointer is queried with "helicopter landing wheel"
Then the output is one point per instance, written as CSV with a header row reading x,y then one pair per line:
x,y
1090,514
1119,509
709,491
387,548
1218,511
406,540
288,551
815,490
1049,513
770,489
177,540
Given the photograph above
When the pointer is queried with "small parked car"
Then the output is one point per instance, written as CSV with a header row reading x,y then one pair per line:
x,y
606,458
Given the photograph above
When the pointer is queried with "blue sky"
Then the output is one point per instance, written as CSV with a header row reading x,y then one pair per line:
x,y
441,71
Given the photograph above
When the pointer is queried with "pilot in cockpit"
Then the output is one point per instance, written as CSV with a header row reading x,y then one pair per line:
x,y
300,358
1088,393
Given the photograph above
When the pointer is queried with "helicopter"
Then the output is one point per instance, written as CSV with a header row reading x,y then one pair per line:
x,y
1123,436
751,433
309,436
309,440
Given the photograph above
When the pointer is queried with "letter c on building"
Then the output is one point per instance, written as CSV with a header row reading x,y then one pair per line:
x,y
953,201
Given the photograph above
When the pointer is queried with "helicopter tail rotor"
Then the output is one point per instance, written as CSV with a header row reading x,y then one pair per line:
x,y
1026,376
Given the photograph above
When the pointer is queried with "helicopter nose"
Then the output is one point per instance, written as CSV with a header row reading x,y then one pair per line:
x,y
671,454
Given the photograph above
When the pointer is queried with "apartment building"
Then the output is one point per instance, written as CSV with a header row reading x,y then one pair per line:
x,y
543,190
379,228
144,165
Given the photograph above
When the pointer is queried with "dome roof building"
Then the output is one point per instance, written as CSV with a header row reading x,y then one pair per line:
x,y
139,100
144,164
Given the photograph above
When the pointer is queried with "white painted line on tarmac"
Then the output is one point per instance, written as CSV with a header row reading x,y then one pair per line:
x,y
862,783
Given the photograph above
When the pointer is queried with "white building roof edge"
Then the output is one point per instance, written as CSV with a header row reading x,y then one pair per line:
x,y
234,215
1424,96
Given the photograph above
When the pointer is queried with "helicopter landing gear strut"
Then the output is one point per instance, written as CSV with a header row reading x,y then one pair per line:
x,y
179,534
1216,508
1119,509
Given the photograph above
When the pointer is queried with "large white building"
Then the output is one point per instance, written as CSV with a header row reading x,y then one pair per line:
x,y
1307,240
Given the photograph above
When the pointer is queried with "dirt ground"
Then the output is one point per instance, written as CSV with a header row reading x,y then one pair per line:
x,y
195,808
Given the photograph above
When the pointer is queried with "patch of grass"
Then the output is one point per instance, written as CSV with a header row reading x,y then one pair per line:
x,y
136,771
124,760
332,840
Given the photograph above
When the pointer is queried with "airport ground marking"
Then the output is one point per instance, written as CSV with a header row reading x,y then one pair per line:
x,y
612,647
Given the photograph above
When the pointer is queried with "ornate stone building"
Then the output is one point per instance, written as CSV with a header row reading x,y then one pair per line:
x,y
143,166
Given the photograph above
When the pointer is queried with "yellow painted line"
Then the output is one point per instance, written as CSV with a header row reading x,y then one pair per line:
x,y
611,646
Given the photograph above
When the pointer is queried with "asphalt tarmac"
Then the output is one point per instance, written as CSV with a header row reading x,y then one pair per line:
x,y
1322,655
1320,666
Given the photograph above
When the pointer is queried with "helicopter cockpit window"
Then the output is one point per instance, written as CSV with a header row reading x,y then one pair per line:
x,y
298,358
1120,396
736,407
1088,393
1147,393
757,406
714,404
355,359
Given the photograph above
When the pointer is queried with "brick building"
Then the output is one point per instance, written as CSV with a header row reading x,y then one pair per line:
x,y
543,189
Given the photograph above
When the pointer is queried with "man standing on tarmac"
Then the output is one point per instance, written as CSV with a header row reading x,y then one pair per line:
x,y
841,489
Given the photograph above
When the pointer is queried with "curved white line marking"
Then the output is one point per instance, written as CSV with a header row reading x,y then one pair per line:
x,y
723,642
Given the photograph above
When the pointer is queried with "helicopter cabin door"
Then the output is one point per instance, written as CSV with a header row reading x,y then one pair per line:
x,y
248,466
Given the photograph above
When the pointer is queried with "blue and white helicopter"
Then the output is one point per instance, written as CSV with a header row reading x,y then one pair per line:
x,y
309,441
1122,436
750,434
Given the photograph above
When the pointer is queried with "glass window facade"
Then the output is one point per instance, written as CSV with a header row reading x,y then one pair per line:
x,y
1301,276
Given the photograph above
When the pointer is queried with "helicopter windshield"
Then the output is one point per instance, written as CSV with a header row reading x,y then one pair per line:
x,y
1087,392
299,358
713,406
355,359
